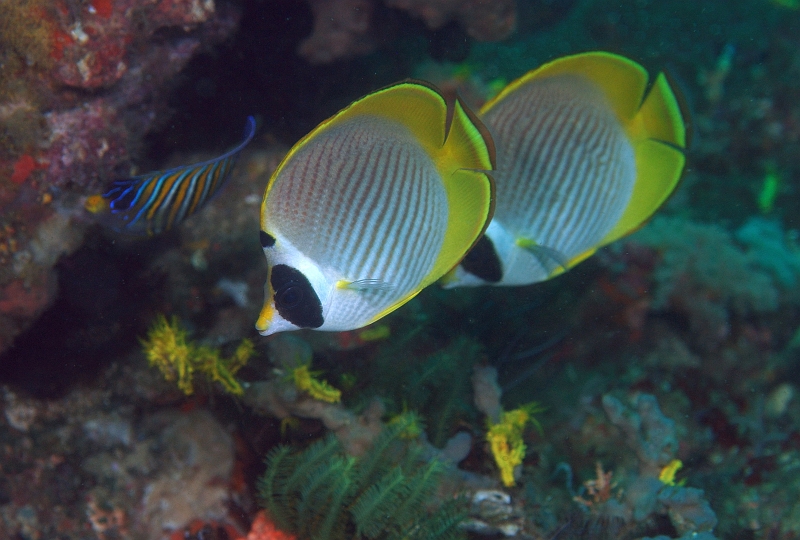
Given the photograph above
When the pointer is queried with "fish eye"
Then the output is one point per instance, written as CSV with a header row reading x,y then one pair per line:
x,y
295,298
290,297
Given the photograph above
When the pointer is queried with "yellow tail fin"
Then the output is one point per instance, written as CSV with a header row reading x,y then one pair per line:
x,y
658,136
464,161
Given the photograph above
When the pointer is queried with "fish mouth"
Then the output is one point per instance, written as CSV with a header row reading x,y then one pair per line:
x,y
265,318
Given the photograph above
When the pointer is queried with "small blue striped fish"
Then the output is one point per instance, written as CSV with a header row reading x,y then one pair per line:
x,y
582,160
372,206
155,202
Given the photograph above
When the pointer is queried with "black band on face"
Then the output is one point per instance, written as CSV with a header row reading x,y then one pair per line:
x,y
266,239
295,298
482,261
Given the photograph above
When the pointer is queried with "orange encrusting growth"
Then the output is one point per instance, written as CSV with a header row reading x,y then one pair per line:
x,y
264,529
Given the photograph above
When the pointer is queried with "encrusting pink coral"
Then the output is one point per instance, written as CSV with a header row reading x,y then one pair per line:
x,y
264,529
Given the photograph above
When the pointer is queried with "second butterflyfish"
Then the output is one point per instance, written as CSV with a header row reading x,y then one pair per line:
x,y
582,160
372,206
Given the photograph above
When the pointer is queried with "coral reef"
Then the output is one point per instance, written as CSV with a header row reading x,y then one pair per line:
x,y
749,271
283,399
650,433
111,473
27,283
195,483
725,285
80,86
653,438
666,364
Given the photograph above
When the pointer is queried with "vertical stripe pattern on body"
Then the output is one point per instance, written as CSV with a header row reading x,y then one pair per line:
x,y
566,168
365,202
155,202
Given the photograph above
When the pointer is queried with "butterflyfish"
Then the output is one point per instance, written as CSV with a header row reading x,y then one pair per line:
x,y
370,207
584,157
157,201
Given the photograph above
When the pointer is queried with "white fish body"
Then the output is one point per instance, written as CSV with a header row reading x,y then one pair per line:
x,y
581,162
369,209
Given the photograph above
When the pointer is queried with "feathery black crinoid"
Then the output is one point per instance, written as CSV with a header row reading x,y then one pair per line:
x,y
323,494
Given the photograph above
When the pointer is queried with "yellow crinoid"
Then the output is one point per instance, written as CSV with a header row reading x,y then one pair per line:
x,y
168,348
505,439
307,382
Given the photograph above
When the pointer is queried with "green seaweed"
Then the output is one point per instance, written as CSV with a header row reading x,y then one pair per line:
x,y
321,493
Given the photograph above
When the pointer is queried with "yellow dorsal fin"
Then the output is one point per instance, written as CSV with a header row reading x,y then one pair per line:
x,y
661,116
418,106
658,136
623,81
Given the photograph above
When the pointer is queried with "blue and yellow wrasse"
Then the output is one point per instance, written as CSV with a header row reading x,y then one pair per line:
x,y
155,202
584,157
372,206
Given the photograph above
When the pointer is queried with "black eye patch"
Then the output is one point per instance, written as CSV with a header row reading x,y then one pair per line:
x,y
295,298
266,239
482,261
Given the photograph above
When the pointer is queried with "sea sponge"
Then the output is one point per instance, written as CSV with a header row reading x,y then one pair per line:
x,y
648,432
714,278
704,261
